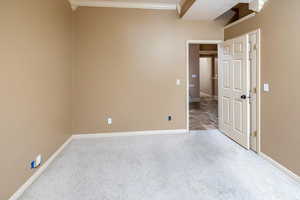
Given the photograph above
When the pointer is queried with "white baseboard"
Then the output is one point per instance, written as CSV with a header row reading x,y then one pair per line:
x,y
39,171
280,167
133,133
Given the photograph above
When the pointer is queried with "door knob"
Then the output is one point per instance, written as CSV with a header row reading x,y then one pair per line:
x,y
243,97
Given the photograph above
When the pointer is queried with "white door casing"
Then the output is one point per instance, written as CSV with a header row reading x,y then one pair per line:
x,y
254,88
234,111
188,42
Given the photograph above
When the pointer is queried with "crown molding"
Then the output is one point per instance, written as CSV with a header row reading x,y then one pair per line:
x,y
102,3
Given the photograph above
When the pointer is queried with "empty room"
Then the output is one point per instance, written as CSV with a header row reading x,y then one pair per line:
x,y
149,100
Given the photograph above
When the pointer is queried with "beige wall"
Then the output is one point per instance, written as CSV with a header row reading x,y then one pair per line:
x,y
126,65
194,70
35,85
206,74
280,26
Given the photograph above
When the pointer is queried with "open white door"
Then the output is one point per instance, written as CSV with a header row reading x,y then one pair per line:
x,y
234,88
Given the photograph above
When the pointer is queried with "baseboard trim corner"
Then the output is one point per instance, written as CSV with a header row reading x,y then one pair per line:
x,y
39,171
131,133
280,167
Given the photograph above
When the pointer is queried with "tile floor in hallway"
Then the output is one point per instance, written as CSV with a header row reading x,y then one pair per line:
x,y
204,114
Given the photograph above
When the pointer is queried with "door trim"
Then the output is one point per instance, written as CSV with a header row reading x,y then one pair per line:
x,y
188,42
258,82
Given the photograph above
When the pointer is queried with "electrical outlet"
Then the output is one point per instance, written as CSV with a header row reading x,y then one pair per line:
x,y
109,121
37,162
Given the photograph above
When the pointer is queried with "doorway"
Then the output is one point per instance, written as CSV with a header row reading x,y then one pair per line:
x,y
203,86
237,79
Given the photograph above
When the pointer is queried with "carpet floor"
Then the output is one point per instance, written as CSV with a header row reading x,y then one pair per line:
x,y
199,166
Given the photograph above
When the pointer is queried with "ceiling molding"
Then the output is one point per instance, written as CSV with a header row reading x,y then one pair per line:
x,y
102,3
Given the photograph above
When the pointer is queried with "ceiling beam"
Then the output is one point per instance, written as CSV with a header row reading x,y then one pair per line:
x,y
185,5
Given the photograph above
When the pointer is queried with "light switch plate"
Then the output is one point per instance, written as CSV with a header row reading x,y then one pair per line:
x,y
178,82
266,87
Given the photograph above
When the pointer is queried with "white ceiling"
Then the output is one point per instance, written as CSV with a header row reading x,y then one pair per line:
x,y
210,9
200,10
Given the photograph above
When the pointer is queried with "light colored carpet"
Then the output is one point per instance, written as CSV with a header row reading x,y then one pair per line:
x,y
202,166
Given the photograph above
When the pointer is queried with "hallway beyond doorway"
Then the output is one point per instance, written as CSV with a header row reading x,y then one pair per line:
x,y
204,114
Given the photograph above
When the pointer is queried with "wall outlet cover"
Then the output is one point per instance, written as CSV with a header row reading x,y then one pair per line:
x,y
109,121
38,160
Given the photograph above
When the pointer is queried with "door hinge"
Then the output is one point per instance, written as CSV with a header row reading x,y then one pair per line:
x,y
255,47
254,134
254,90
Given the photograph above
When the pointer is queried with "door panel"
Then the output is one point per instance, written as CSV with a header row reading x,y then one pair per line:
x,y
239,46
226,75
226,116
235,82
226,111
237,75
238,116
